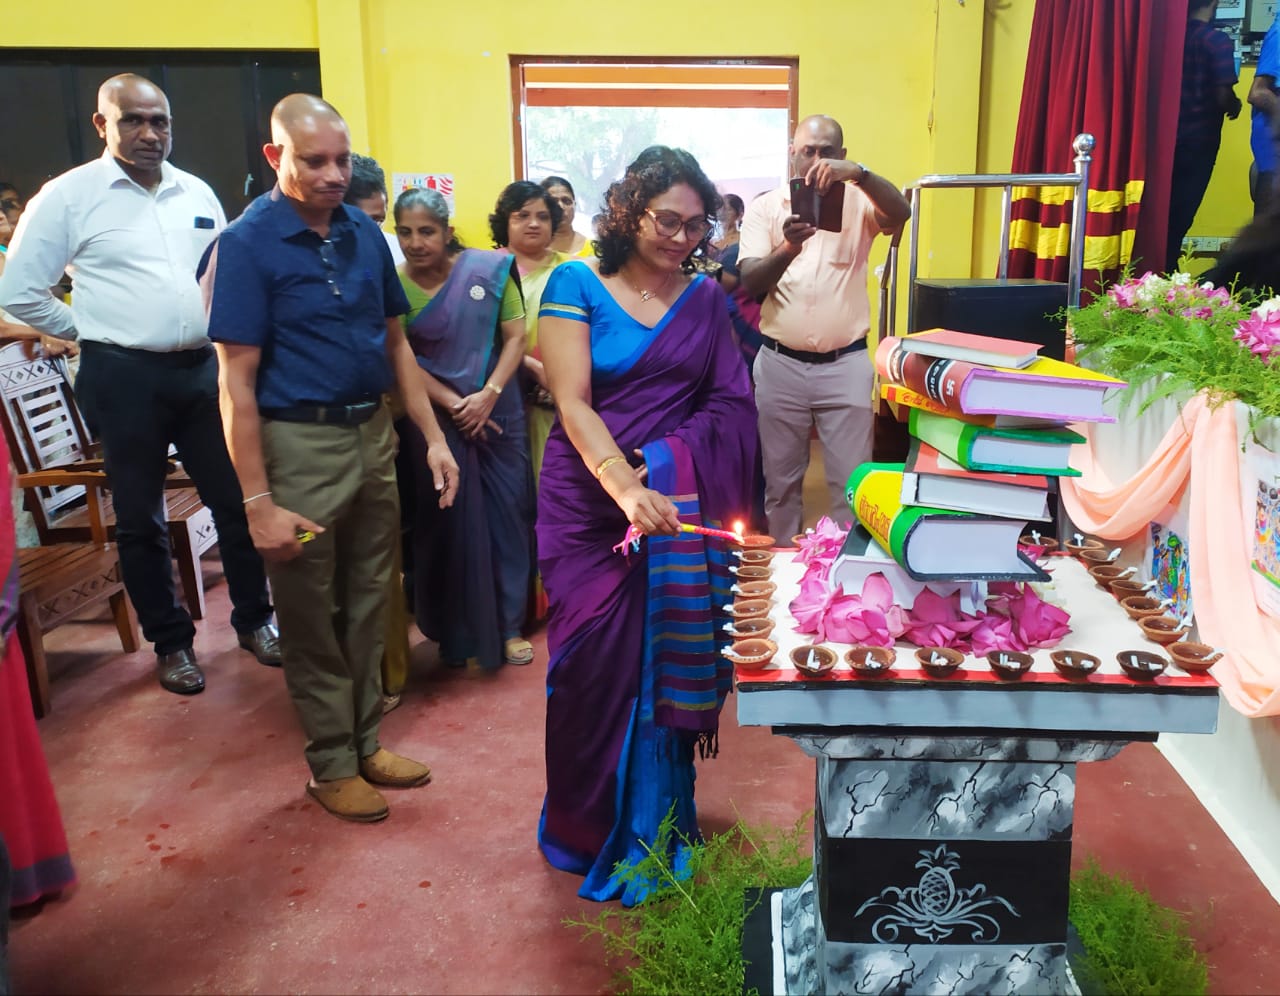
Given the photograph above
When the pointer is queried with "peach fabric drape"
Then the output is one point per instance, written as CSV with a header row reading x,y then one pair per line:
x,y
1202,450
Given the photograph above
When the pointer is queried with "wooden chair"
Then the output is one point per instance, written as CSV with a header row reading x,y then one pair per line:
x,y
59,580
46,432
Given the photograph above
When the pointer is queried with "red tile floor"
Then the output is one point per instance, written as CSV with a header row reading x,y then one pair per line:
x,y
204,868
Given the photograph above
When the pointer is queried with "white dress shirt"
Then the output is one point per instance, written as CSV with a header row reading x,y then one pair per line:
x,y
132,255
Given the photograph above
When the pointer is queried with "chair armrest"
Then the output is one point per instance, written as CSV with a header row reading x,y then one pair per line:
x,y
62,478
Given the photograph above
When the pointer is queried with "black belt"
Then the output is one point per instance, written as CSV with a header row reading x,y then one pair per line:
x,y
804,356
170,358
356,414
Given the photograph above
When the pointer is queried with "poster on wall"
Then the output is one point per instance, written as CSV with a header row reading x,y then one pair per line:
x,y
1261,497
1170,562
441,182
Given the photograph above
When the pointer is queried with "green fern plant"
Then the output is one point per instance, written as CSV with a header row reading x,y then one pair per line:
x,y
687,936
1190,350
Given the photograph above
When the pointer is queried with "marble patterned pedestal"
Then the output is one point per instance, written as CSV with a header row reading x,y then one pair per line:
x,y
941,865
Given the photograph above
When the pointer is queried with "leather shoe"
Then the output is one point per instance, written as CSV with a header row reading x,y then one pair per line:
x,y
264,644
179,673
351,799
384,768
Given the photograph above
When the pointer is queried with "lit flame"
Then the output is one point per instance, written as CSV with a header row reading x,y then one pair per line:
x,y
737,530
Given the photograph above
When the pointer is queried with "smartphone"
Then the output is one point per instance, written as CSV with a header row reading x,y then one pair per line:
x,y
823,211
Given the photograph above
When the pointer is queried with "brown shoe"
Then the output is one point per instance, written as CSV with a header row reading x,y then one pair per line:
x,y
385,768
351,799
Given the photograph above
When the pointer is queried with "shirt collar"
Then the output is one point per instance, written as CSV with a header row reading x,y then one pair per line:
x,y
288,223
115,174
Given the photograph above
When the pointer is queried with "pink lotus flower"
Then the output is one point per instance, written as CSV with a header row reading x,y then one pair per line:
x,y
1260,332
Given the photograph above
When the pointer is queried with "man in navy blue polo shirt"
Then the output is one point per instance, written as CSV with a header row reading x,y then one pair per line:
x,y
1208,74
1264,98
304,307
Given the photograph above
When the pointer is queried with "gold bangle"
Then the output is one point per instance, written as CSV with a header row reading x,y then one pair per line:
x,y
491,386
608,462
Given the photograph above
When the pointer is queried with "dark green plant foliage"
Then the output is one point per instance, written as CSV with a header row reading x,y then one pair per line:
x,y
687,936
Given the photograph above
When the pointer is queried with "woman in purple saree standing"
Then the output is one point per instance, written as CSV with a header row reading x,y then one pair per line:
x,y
656,426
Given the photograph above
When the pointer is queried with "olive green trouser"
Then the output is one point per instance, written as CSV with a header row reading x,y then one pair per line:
x,y
331,602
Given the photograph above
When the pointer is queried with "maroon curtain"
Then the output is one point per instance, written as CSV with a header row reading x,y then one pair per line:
x,y
1112,68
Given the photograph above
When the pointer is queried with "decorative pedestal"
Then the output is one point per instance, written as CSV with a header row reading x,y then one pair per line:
x,y
944,806
941,864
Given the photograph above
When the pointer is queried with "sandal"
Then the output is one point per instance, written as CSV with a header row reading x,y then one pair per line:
x,y
518,651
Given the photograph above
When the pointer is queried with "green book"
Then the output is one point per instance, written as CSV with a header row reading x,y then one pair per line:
x,y
932,543
1006,451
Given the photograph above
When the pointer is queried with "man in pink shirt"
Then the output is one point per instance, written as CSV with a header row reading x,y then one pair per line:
x,y
814,368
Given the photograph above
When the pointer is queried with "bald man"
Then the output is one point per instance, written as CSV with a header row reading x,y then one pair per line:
x,y
813,368
130,228
305,306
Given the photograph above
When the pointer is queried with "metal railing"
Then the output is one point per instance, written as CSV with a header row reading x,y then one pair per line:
x,y
1078,181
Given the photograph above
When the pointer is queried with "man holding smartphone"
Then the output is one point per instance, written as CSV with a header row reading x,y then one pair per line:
x,y
814,368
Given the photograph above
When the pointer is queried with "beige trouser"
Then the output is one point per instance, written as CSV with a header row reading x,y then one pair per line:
x,y
331,602
794,396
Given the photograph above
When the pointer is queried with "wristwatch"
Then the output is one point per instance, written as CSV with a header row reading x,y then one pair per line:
x,y
861,176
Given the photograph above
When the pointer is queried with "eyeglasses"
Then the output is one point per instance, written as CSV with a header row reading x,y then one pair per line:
x,y
329,256
668,224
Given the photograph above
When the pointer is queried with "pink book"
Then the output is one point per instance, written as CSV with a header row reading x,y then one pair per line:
x,y
984,349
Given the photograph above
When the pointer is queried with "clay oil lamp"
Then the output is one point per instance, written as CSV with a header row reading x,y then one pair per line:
x,y
1079,543
752,654
1009,665
1097,558
1194,657
1126,587
751,608
1162,629
867,662
939,662
1047,544
746,590
1141,665
754,558
1075,663
743,629
1107,574
813,660
753,572
1138,606
755,541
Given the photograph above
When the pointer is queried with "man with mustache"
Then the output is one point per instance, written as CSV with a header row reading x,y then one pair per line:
x,y
130,228
305,305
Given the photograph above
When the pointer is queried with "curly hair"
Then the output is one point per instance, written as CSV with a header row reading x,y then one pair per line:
x,y
514,196
433,202
655,171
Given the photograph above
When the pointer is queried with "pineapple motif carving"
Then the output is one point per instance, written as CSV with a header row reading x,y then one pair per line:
x,y
935,907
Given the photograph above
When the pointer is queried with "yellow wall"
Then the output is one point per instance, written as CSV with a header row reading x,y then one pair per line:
x,y
927,86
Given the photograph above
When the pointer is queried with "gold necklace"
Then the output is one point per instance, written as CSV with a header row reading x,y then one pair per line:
x,y
645,295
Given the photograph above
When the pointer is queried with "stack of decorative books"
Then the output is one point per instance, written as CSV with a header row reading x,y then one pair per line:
x,y
988,424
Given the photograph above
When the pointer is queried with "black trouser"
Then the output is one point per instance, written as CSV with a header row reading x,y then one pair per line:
x,y
1192,168
138,403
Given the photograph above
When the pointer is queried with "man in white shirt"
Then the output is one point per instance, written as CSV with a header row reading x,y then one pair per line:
x,y
130,229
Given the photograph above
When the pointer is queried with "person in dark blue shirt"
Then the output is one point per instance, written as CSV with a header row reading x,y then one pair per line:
x,y
304,307
1208,75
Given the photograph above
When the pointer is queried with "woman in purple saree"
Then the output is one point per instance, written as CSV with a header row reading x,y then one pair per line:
x,y
656,427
